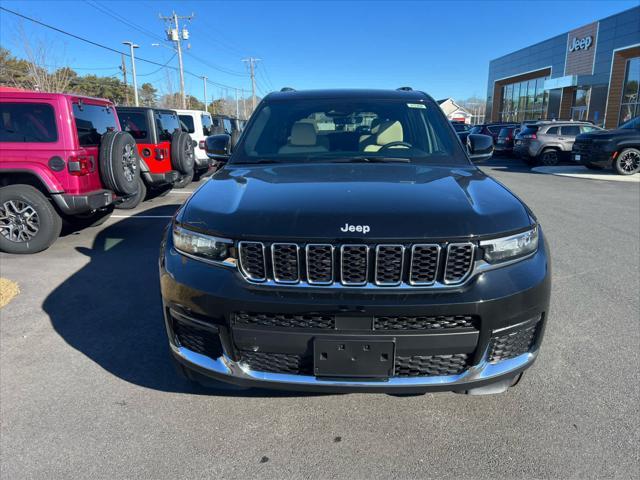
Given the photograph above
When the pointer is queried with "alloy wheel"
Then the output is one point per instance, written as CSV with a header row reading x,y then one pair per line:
x,y
129,162
19,221
629,161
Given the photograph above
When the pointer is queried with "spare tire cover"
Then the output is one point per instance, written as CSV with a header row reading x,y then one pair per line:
x,y
182,155
119,162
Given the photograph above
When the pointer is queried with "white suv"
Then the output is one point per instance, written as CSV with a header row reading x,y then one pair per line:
x,y
198,123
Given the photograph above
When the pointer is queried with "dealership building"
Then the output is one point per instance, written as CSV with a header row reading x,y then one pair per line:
x,y
590,73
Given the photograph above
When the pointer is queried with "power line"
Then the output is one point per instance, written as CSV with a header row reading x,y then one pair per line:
x,y
99,45
156,71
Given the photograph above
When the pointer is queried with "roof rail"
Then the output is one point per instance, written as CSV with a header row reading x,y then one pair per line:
x,y
287,89
405,89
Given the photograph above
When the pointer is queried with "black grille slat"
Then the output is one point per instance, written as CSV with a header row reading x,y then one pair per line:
x,y
459,262
286,320
197,339
389,261
424,264
320,264
277,362
512,344
285,258
252,260
424,322
354,264
430,365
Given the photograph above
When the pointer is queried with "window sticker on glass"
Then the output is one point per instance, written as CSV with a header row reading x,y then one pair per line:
x,y
416,105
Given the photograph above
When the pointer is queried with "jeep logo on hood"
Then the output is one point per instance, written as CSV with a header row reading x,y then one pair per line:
x,y
355,228
581,44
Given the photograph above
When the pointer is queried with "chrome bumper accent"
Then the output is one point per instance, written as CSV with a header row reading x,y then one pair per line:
x,y
483,371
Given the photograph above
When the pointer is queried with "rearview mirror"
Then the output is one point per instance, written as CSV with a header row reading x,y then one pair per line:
x,y
218,147
479,147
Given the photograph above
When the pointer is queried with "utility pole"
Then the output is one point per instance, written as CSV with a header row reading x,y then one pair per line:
x,y
123,67
204,84
244,105
174,34
251,61
133,70
237,105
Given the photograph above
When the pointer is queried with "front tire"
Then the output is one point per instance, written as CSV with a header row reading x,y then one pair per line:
x,y
627,162
134,200
28,221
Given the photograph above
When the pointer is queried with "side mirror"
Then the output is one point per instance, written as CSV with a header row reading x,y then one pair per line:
x,y
218,147
479,147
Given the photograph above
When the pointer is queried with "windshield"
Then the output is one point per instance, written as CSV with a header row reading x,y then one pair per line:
x,y
347,129
633,123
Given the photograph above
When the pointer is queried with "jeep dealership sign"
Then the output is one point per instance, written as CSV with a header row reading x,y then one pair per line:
x,y
580,44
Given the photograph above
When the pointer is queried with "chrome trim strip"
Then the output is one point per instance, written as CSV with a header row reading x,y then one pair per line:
x,y
306,258
225,366
375,272
264,260
435,276
471,263
366,276
273,263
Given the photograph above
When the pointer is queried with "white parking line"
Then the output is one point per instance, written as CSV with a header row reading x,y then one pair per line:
x,y
141,216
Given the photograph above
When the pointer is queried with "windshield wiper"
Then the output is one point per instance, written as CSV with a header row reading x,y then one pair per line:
x,y
370,160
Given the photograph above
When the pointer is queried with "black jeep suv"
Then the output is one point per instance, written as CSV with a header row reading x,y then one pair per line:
x,y
349,244
619,148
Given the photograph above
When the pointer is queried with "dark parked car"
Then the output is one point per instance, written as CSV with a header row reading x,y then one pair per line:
x,y
462,129
505,141
323,259
619,148
491,129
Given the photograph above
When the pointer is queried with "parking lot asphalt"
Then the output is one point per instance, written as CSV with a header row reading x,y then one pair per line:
x,y
87,390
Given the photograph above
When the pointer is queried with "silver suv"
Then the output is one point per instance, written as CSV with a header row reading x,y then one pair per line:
x,y
547,142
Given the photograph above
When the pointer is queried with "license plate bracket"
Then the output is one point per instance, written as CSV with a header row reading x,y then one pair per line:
x,y
357,358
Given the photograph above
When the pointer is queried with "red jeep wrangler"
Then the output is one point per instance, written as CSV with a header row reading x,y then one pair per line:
x,y
62,157
166,151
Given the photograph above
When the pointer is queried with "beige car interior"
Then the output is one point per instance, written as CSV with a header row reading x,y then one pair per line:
x,y
303,139
387,132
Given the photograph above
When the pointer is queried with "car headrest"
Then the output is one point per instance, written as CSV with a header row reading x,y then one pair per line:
x,y
302,134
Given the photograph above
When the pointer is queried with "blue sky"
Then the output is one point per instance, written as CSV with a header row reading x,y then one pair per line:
x,y
441,47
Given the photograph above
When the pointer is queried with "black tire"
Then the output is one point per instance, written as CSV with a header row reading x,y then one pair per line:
x,y
119,162
549,157
27,209
182,154
627,162
91,219
183,181
591,166
134,200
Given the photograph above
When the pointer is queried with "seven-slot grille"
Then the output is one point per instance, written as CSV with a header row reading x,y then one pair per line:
x,y
385,265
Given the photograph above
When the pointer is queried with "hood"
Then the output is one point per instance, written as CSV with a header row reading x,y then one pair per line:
x,y
605,134
312,202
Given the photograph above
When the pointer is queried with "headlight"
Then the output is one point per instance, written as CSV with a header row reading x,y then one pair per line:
x,y
509,248
203,246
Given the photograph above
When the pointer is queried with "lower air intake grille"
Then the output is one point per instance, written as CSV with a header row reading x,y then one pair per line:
x,y
430,365
425,322
277,362
512,344
286,320
196,339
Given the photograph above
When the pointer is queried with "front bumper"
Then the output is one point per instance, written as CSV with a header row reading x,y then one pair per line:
x,y
506,301
598,157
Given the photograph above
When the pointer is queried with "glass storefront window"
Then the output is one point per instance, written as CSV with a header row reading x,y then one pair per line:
x,y
526,100
630,103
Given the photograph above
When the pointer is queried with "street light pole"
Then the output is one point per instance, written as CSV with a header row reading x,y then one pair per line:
x,y
133,70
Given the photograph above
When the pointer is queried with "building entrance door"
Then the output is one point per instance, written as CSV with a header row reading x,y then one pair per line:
x,y
578,113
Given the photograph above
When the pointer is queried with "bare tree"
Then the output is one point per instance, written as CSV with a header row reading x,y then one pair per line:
x,y
46,70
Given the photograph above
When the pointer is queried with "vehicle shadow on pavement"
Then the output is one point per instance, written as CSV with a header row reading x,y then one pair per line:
x,y
110,309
